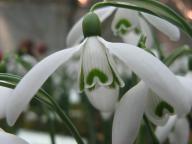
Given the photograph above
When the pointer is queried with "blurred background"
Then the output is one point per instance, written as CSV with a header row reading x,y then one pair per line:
x,y
38,28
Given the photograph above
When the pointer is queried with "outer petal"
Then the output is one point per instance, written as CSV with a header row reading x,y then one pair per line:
x,y
128,115
5,94
75,35
180,134
129,19
154,73
33,80
6,138
187,83
164,26
162,132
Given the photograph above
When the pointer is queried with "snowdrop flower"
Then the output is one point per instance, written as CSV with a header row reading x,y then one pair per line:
x,y
7,138
99,78
176,130
129,25
138,101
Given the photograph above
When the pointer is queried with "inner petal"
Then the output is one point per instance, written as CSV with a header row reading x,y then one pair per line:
x,y
95,64
157,110
124,21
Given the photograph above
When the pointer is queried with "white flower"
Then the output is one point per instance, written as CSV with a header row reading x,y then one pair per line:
x,y
176,130
138,101
100,80
129,25
7,138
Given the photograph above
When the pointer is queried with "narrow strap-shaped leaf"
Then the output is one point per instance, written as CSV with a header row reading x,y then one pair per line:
x,y
10,81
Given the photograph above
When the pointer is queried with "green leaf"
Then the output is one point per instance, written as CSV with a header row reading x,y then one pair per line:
x,y
10,81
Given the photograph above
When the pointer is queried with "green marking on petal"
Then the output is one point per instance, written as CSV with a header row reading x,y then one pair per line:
x,y
123,25
160,108
96,73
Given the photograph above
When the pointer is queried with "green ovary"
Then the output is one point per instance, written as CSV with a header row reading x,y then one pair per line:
x,y
160,108
96,73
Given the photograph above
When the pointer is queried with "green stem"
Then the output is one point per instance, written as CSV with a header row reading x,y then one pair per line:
x,y
90,114
11,81
152,7
51,123
179,52
107,131
154,138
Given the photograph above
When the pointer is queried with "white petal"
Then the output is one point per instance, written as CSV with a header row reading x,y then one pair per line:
x,y
128,115
131,18
154,73
131,38
94,57
75,36
152,102
33,80
180,134
103,98
6,138
187,83
162,132
5,94
164,26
